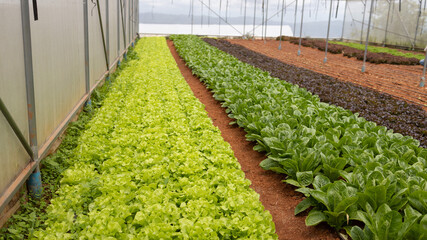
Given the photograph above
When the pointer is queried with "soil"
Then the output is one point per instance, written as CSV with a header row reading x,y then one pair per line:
x,y
279,198
400,81
381,108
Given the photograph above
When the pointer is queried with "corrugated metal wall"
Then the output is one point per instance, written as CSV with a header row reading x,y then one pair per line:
x,y
58,56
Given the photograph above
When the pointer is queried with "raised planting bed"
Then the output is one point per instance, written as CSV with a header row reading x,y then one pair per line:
x,y
381,108
350,170
372,57
152,166
376,49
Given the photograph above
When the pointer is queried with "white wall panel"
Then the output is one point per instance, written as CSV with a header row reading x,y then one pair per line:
x,y
58,60
113,16
13,157
96,47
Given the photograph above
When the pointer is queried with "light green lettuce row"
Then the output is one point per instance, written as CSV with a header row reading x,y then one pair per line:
x,y
153,166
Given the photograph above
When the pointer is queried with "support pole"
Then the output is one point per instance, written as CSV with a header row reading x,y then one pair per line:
x,y
295,17
367,36
192,16
219,18
343,23
34,187
123,26
416,28
118,31
15,128
107,29
363,21
281,26
103,36
266,23
262,28
300,30
253,30
244,20
86,47
386,25
327,36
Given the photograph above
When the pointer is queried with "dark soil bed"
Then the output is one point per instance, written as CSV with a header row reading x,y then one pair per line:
x,y
382,108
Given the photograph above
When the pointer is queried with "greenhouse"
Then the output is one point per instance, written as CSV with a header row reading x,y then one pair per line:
x,y
227,119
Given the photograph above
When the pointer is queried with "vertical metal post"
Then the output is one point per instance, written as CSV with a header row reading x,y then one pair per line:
x,y
300,30
295,17
363,21
125,23
107,29
192,16
253,30
367,36
219,18
29,77
266,22
262,23
244,20
416,28
423,77
386,25
281,26
327,36
34,181
118,30
86,46
343,22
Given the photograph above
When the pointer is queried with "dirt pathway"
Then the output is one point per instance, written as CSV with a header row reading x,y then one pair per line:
x,y
277,197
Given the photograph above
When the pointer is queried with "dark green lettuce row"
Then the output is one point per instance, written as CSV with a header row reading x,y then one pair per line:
x,y
350,169
381,108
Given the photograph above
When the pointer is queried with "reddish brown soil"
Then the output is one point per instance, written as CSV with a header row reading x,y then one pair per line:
x,y
277,197
400,81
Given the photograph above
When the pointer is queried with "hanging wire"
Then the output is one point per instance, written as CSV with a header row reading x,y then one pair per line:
x,y
209,13
400,5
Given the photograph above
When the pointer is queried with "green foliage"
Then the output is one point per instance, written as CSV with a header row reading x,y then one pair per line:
x,y
32,213
151,165
339,161
376,49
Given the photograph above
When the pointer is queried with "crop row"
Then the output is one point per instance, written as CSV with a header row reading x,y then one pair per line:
x,y
381,108
349,169
151,165
377,49
372,57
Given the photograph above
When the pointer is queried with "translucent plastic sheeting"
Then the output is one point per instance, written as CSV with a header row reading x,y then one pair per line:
x,y
58,60
113,33
96,47
389,25
13,157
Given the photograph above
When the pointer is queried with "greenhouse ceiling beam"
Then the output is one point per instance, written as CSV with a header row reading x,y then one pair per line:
x,y
253,32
